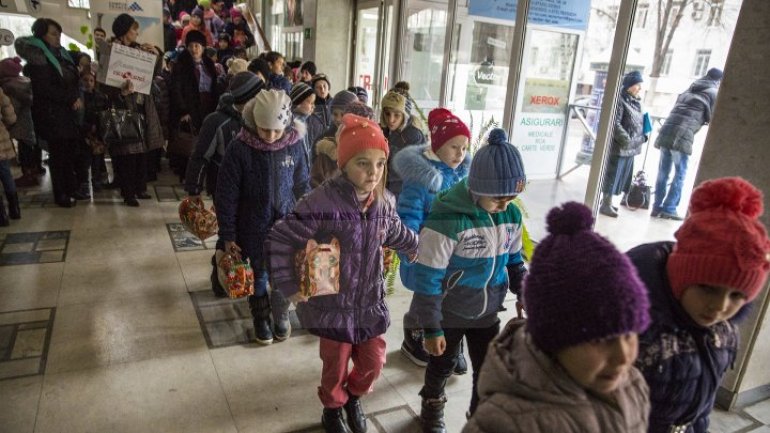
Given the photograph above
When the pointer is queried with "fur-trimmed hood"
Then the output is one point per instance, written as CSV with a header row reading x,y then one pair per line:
x,y
327,146
418,164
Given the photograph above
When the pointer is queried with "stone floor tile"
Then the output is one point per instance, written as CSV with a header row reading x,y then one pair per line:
x,y
760,411
173,394
51,256
51,244
24,247
6,335
763,429
196,269
20,399
19,368
106,333
30,286
29,342
24,316
136,275
401,420
727,422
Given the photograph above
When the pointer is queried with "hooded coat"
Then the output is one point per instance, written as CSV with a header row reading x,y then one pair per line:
x,y
682,362
523,390
692,110
258,184
424,175
8,116
19,89
399,140
358,312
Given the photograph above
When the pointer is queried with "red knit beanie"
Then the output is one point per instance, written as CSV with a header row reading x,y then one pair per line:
x,y
10,67
445,126
357,134
721,243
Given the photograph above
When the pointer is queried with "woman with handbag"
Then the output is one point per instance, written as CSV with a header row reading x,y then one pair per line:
x,y
55,103
194,95
128,114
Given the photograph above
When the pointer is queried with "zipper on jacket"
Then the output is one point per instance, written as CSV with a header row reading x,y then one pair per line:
x,y
492,272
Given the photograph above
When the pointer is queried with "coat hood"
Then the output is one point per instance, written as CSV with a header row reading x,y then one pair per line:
x,y
227,105
418,164
702,84
327,146
458,200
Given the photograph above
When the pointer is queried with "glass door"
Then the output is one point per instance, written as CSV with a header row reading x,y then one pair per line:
x,y
374,32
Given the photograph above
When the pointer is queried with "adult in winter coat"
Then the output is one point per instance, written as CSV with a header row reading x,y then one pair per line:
x,y
692,110
7,153
569,367
130,159
262,176
55,104
19,89
627,140
352,212
427,170
193,84
700,287
400,128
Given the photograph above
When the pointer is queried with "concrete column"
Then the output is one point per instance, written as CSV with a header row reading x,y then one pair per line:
x,y
737,145
331,39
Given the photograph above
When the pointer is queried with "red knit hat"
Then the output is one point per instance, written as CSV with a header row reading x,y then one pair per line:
x,y
445,126
10,67
357,134
721,242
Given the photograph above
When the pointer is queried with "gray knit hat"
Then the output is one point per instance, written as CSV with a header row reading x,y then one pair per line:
x,y
342,99
497,169
299,93
244,85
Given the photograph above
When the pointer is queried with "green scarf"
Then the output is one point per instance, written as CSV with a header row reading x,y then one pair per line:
x,y
49,55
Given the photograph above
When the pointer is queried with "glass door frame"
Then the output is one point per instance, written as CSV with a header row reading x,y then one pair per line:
x,y
381,69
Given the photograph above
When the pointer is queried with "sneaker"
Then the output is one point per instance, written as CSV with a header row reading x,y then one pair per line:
x,y
412,347
670,216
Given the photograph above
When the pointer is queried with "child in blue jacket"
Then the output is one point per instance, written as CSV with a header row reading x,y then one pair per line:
x,y
471,237
427,170
699,287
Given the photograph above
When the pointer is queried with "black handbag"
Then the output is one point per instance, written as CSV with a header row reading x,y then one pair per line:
x,y
640,194
119,126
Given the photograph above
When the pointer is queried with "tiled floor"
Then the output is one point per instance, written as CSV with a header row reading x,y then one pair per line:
x,y
33,248
124,335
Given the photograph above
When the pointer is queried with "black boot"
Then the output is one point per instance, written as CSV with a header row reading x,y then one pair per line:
x,y
461,367
13,205
4,221
333,422
606,207
217,288
355,414
432,415
412,347
260,310
280,307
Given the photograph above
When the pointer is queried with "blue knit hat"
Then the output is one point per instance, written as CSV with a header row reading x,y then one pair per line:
x,y
497,169
580,287
631,78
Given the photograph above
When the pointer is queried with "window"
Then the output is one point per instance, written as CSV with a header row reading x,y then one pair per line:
x,y
715,13
702,59
665,68
79,4
640,20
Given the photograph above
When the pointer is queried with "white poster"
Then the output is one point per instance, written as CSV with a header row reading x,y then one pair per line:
x,y
148,13
130,64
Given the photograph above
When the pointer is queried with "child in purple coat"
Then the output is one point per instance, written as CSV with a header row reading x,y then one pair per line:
x,y
351,211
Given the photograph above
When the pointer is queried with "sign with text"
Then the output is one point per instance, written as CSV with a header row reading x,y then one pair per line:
x,y
571,14
486,88
127,63
539,127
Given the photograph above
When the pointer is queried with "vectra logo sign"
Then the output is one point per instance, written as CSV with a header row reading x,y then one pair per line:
x,y
123,6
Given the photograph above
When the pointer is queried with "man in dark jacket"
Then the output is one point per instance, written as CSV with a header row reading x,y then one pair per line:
x,y
692,110
218,130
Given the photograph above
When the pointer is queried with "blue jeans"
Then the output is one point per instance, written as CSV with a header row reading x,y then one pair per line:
x,y
668,201
6,177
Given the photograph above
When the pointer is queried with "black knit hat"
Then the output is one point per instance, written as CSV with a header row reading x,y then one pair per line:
x,y
299,93
244,85
195,36
122,25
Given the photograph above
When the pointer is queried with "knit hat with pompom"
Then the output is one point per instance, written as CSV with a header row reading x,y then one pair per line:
x,y
721,242
580,287
497,169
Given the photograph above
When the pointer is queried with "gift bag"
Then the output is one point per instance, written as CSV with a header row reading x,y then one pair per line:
x,y
318,268
197,219
236,276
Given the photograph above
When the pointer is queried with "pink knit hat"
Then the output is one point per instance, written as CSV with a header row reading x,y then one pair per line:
x,y
10,67
357,134
721,243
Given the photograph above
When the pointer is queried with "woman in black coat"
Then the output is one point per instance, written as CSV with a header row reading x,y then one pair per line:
x,y
55,104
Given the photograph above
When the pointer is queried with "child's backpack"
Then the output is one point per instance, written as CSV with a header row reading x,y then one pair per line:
x,y
318,268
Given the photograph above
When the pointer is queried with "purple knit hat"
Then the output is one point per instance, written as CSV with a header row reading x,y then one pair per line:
x,y
580,287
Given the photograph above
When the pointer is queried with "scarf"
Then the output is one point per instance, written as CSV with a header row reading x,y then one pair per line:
x,y
251,138
49,55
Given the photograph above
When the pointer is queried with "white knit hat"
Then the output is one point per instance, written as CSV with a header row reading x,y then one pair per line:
x,y
270,109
